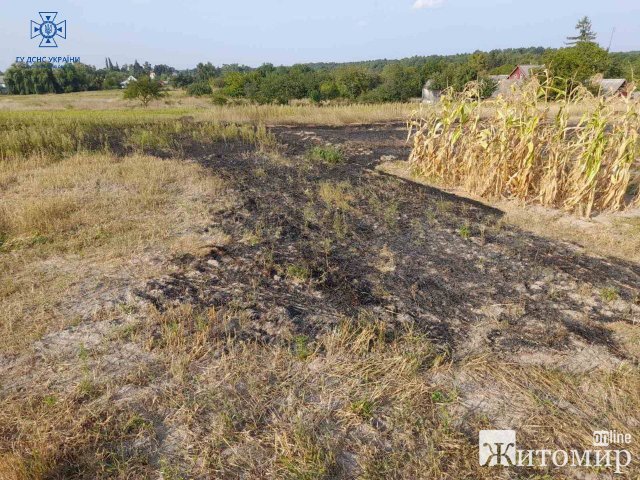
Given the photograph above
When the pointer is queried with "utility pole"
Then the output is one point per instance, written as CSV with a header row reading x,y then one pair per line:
x,y
613,31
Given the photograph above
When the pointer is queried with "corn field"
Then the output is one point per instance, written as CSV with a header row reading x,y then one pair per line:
x,y
524,146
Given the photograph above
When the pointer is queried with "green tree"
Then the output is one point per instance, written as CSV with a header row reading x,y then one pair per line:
x,y
145,90
206,71
136,69
112,79
579,63
400,83
182,79
479,61
162,69
585,32
78,77
354,81
234,84
455,76
329,90
23,79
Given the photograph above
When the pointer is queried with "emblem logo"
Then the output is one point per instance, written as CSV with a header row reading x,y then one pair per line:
x,y
48,29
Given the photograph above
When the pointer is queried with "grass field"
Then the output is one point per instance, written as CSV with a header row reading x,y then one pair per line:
x,y
190,291
176,104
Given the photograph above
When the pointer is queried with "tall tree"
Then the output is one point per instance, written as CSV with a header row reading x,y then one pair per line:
x,y
137,69
585,32
145,90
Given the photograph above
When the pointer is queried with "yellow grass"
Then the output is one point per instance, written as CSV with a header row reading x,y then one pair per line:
x,y
178,104
359,401
68,226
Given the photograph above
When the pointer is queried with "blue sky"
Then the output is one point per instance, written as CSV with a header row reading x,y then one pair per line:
x,y
183,33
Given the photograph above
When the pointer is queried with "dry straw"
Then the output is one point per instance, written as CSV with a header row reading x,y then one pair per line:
x,y
530,148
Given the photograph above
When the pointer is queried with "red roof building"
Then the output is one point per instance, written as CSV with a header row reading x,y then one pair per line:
x,y
522,72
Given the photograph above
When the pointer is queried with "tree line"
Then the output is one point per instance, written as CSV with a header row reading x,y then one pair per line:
x,y
23,79
367,81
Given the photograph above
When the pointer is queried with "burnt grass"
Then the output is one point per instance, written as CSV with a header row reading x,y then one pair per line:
x,y
397,251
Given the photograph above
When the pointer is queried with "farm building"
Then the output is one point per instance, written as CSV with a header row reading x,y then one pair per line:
x,y
610,87
522,72
128,81
503,86
429,94
3,85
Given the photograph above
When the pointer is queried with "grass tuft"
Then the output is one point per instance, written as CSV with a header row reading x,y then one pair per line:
x,y
327,154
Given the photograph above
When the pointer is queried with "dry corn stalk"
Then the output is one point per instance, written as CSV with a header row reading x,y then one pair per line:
x,y
528,148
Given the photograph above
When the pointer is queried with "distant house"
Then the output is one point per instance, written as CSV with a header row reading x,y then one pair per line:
x,y
522,72
503,85
128,81
3,85
611,87
429,94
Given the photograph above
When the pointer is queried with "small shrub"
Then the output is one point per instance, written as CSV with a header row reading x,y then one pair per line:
x,y
609,294
439,396
298,272
144,89
199,89
328,154
465,232
218,98
301,347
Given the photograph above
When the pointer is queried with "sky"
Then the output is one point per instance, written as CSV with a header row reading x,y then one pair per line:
x,y
283,32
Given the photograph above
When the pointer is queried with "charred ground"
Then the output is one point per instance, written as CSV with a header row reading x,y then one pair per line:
x,y
315,243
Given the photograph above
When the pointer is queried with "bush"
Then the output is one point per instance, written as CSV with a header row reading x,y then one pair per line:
x,y
328,154
199,89
217,98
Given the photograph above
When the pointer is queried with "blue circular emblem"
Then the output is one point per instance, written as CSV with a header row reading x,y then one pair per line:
x,y
48,29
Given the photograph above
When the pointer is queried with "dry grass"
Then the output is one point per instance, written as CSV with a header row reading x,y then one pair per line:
x,y
178,104
336,195
361,401
56,134
81,219
555,407
356,401
517,153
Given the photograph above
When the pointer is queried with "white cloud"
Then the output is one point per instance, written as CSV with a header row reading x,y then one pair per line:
x,y
419,4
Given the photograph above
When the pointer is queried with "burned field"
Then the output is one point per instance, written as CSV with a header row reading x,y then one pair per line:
x,y
340,323
319,242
